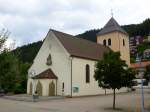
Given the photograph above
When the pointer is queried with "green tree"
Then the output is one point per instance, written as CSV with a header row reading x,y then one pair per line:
x,y
147,73
20,86
13,74
3,37
142,47
9,71
113,73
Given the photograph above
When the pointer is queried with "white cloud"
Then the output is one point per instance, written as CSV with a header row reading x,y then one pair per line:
x,y
30,20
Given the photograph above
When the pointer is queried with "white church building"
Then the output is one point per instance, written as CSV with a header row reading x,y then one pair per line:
x,y
65,64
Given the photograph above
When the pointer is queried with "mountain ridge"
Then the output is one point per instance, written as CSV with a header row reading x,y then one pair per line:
x,y
26,53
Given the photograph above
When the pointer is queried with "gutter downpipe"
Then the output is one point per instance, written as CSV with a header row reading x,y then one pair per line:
x,y
71,75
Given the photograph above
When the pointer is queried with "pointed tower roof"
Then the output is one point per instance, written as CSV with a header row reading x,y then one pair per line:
x,y
112,26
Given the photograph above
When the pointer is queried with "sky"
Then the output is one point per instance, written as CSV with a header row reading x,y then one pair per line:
x,y
29,20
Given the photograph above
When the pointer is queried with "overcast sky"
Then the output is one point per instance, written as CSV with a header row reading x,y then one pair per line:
x,y
29,20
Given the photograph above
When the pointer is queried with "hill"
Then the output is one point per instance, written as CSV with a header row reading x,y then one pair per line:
x,y
142,29
28,52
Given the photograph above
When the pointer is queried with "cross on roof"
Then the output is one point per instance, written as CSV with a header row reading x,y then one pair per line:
x,y
112,12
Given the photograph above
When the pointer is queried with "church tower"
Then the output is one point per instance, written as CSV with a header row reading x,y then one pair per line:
x,y
113,36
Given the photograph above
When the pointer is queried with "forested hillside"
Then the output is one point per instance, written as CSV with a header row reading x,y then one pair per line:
x,y
27,53
142,29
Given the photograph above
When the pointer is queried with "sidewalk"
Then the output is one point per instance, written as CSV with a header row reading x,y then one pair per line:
x,y
29,98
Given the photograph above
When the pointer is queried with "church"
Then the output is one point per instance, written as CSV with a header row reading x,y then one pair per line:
x,y
64,65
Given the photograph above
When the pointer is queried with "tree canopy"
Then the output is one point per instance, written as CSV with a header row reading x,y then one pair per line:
x,y
147,73
113,73
3,37
142,47
13,74
9,71
28,52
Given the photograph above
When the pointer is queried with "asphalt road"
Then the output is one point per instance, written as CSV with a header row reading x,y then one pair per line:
x,y
126,102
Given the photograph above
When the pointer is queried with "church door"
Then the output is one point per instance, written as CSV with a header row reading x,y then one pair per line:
x,y
30,89
52,89
39,88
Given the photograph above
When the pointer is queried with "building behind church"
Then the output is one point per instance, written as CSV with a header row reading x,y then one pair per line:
x,y
65,64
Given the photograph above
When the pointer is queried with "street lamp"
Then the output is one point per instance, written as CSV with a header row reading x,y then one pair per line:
x,y
32,74
138,60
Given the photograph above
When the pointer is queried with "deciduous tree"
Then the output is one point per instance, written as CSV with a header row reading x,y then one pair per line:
x,y
3,37
113,73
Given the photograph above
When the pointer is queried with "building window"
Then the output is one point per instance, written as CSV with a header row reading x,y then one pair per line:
x,y
87,73
63,86
104,42
49,60
109,42
123,42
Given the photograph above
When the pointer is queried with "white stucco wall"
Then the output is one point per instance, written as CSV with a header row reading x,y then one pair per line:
x,y
61,66
60,62
79,79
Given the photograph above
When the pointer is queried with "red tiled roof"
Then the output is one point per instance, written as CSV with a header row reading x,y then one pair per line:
x,y
47,74
139,65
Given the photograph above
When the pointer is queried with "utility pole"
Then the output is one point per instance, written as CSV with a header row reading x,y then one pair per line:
x,y
138,60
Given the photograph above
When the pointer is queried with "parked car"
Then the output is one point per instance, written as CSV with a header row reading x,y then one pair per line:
x,y
137,83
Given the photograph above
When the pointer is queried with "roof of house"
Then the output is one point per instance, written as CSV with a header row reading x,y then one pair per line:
x,y
111,26
140,65
47,74
80,47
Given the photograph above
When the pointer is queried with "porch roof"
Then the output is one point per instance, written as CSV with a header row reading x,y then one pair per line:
x,y
47,74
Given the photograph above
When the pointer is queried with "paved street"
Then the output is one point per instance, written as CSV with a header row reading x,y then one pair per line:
x,y
126,102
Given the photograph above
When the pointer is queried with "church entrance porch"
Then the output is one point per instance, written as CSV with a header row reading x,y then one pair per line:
x,y
44,84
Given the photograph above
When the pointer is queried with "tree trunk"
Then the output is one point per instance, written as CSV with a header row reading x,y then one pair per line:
x,y
114,99
105,91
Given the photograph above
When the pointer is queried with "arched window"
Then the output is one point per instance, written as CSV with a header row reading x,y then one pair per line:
x,y
30,90
63,86
49,60
39,88
109,42
104,42
123,42
87,73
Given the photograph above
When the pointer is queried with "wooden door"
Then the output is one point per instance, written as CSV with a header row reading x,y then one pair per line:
x,y
52,89
39,88
30,89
